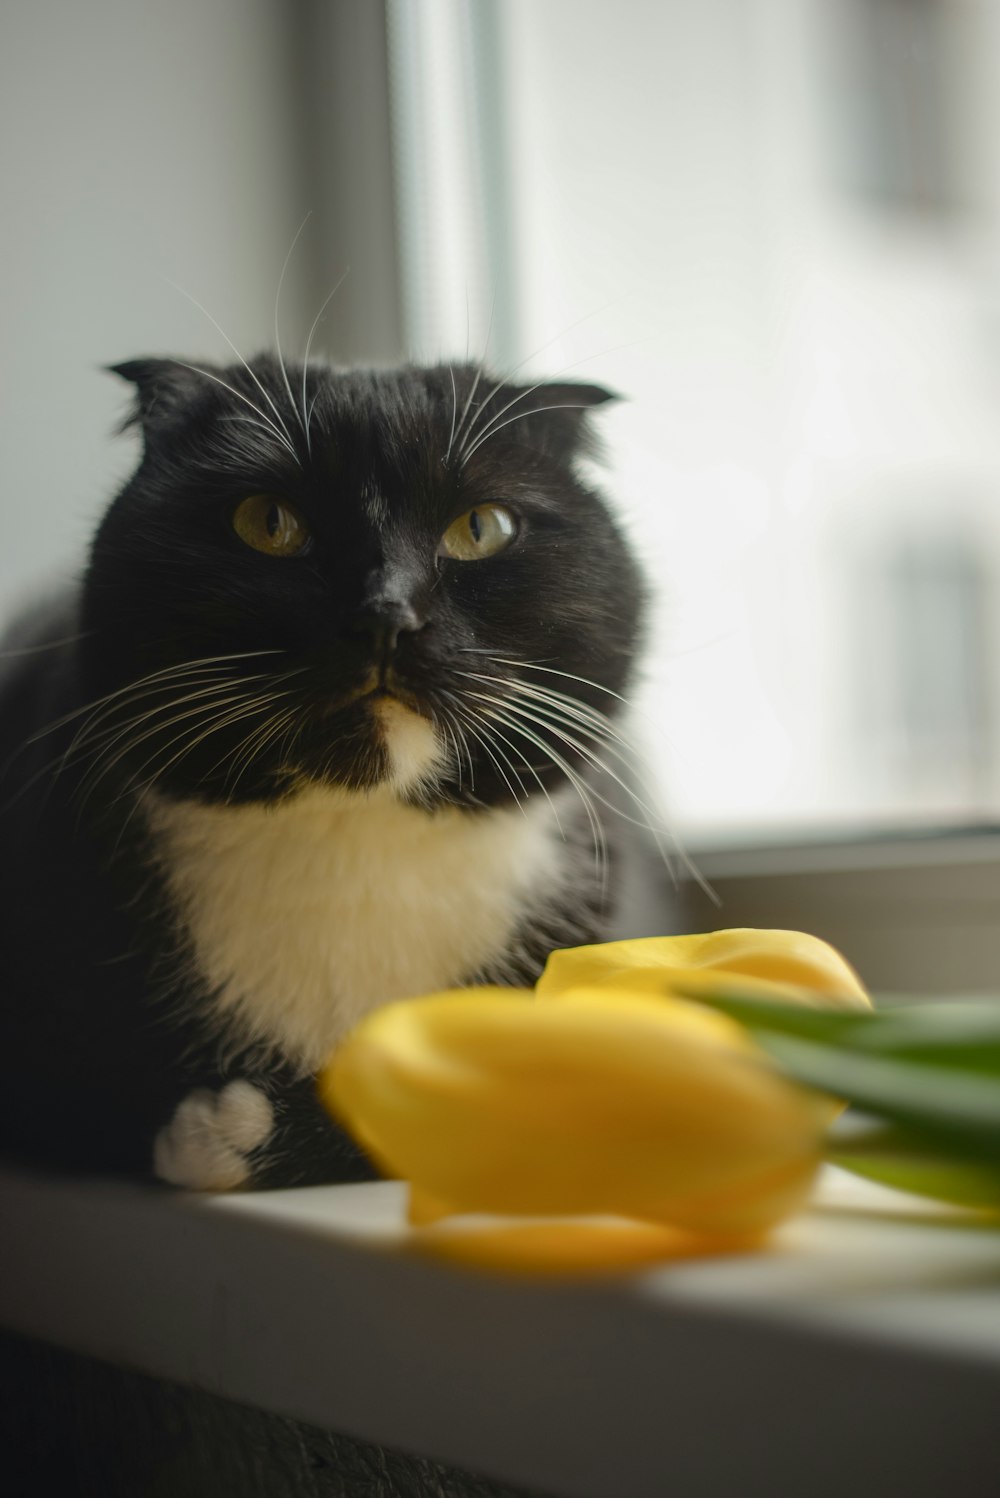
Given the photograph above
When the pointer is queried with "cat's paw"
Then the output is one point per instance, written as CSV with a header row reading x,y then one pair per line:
x,y
207,1144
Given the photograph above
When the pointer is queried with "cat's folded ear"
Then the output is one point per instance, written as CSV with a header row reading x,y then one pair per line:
x,y
555,415
164,390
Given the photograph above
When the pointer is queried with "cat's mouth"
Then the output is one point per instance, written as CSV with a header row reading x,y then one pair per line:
x,y
383,684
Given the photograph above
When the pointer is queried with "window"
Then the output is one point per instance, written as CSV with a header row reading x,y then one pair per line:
x,y
769,224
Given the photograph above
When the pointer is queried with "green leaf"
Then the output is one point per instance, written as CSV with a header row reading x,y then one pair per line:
x,y
959,1109
930,1070
783,1016
954,1033
893,1157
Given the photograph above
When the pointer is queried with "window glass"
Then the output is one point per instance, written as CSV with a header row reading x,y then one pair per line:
x,y
772,226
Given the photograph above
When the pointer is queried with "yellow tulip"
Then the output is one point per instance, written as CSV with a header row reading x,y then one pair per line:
x,y
621,1125
770,964
608,1102
787,965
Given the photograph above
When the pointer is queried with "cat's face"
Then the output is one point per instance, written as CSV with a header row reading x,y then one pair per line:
x,y
355,578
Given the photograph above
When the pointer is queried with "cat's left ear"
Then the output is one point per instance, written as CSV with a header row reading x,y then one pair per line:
x,y
556,415
165,389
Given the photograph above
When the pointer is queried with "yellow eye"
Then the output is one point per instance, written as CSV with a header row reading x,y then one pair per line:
x,y
270,525
479,533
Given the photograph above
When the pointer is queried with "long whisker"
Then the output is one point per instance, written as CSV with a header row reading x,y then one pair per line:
x,y
136,787
168,678
497,735
653,818
546,716
92,737
59,763
548,724
474,437
568,675
454,411
165,671
456,758
597,728
245,710
445,721
105,766
510,373
479,374
584,791
307,415
570,707
568,717
287,724
277,330
494,427
249,421
568,726
279,432
260,386
478,732
257,741
166,675
18,651
463,743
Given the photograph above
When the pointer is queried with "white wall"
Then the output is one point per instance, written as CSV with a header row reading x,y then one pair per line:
x,y
139,143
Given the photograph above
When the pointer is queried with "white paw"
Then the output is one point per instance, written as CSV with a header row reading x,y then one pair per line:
x,y
206,1144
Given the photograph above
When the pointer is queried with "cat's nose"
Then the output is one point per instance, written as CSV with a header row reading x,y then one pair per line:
x,y
383,622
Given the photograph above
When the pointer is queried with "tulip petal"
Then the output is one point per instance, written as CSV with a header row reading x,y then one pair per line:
x,y
622,1125
603,1103
774,964
569,1248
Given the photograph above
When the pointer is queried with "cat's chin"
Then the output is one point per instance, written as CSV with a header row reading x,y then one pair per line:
x,y
414,752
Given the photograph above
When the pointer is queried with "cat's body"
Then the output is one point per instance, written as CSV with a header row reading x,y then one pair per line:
x,y
309,738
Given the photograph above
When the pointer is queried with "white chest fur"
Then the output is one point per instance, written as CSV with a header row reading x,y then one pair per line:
x,y
306,915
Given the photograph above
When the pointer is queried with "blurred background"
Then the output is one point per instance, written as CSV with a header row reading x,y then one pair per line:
x,y
773,226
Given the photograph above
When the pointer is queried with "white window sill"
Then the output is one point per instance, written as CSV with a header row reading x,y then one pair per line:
x,y
860,1353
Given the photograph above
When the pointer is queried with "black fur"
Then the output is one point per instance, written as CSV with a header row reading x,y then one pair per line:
x,y
97,1041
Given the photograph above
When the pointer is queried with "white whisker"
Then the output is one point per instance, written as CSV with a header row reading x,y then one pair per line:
x,y
479,374
19,651
493,428
307,415
277,330
254,743
454,412
585,792
91,737
463,743
479,733
510,373
168,678
260,386
568,675
559,702
281,435
497,735
104,767
568,717
570,739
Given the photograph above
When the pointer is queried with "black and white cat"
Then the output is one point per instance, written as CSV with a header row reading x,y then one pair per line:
x,y
319,729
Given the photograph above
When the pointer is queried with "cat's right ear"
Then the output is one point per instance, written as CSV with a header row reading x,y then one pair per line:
x,y
164,389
